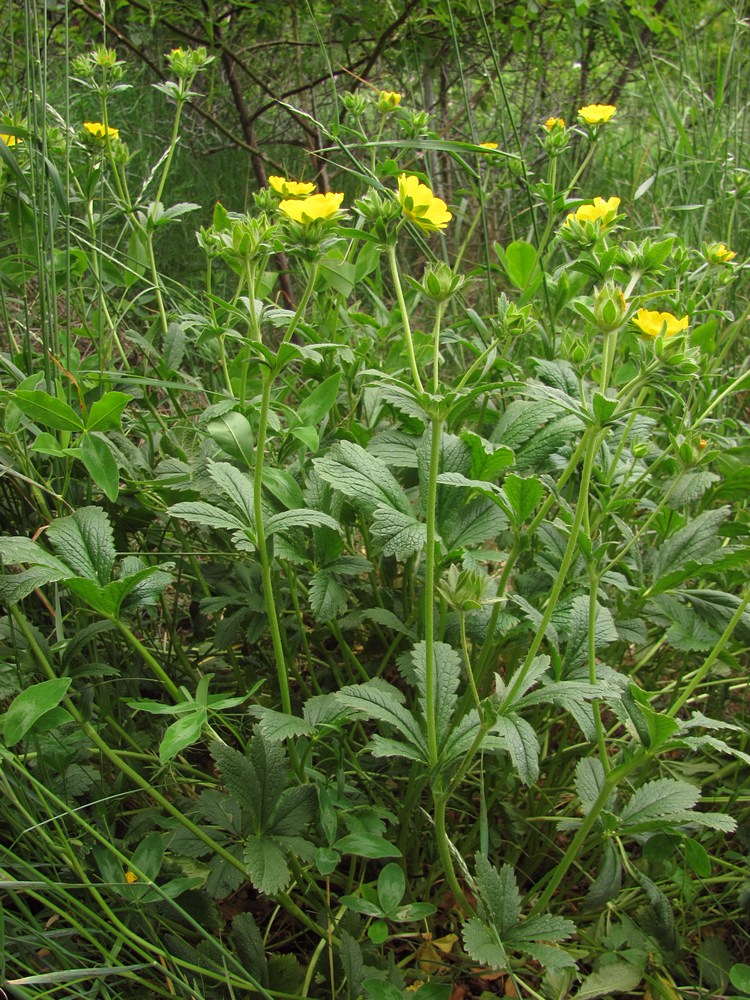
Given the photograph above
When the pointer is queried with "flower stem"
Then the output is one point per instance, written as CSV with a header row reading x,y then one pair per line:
x,y
260,541
429,588
404,320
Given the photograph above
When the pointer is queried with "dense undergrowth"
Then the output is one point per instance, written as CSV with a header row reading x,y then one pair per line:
x,y
375,537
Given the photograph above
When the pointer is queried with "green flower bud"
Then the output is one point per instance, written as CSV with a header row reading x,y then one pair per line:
x,y
610,308
439,283
383,215
185,63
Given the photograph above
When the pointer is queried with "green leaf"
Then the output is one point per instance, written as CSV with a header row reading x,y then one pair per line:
x,y
657,802
47,444
249,944
266,865
391,887
182,733
614,977
232,432
236,487
499,893
294,811
100,463
521,743
31,705
739,976
85,541
362,478
47,410
380,700
173,351
328,598
520,262
694,545
483,946
106,413
315,406
367,845
446,677
304,517
198,512
308,436
523,494
400,534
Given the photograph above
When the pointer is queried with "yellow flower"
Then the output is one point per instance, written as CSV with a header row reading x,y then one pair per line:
x,y
652,323
291,189
599,210
12,140
718,254
553,123
307,210
100,131
488,145
388,100
419,204
596,114
131,877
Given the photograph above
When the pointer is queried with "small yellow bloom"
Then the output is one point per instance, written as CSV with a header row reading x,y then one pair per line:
x,y
488,145
131,877
419,204
652,323
596,114
12,140
291,189
553,123
600,209
719,254
388,100
307,210
100,131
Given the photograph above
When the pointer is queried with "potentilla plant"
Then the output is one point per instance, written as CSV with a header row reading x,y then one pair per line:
x,y
470,534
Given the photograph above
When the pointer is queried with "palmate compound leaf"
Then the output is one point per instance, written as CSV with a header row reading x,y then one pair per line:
x,y
499,929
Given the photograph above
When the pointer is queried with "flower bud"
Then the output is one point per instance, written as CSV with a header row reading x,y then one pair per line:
x,y
610,307
439,283
387,101
356,103
717,253
185,63
383,216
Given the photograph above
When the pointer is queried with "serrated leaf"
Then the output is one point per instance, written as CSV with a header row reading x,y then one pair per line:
x,y
362,478
305,517
658,801
266,865
608,882
694,545
401,535
482,945
236,487
328,598
198,512
522,745
279,726
379,700
85,541
523,494
499,893
446,677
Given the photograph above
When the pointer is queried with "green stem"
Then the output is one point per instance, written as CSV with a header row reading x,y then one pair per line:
x,y
587,824
429,595
300,310
148,658
592,437
260,541
593,588
712,656
441,802
409,343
